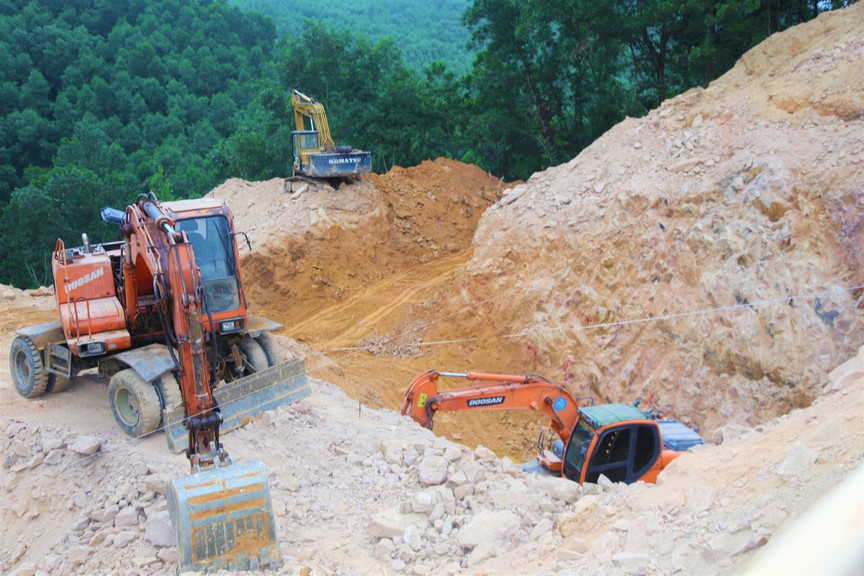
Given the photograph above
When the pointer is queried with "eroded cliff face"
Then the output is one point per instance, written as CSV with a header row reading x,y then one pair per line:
x,y
706,254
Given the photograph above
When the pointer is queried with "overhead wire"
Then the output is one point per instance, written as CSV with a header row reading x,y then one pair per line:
x,y
351,352
356,350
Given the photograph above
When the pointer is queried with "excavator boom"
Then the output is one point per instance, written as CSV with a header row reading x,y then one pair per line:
x,y
306,107
509,392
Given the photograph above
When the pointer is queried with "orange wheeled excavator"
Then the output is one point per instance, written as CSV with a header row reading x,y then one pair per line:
x,y
163,314
619,441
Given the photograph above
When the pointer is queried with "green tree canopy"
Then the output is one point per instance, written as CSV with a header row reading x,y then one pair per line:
x,y
114,97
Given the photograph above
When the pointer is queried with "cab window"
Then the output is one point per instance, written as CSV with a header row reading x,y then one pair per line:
x,y
574,458
647,449
611,456
214,256
624,453
309,141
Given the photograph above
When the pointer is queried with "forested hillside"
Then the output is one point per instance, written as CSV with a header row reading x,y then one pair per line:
x,y
103,101
426,31
549,77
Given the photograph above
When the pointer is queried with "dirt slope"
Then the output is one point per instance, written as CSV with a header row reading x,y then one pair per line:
x,y
357,272
317,245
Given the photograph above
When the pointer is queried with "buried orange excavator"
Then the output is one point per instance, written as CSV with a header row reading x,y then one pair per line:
x,y
619,441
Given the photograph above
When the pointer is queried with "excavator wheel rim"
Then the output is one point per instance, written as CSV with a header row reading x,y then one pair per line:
x,y
135,403
25,364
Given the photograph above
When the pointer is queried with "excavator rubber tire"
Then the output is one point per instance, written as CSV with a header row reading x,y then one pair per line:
x,y
268,343
135,403
169,391
57,383
25,364
256,358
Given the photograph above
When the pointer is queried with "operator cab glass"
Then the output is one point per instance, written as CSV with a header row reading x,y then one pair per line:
x,y
306,140
622,453
577,448
214,255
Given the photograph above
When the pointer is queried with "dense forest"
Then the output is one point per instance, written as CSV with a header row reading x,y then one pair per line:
x,y
104,100
426,31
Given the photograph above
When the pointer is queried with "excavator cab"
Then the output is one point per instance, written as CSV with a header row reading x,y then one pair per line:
x,y
615,440
214,255
304,144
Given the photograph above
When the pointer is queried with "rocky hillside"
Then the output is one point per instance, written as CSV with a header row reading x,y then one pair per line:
x,y
709,254
360,491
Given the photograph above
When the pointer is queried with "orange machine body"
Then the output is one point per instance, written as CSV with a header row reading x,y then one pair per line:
x,y
87,300
175,278
619,441
98,306
162,314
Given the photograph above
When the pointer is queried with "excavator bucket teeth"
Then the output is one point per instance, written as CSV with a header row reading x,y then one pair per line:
x,y
243,401
223,519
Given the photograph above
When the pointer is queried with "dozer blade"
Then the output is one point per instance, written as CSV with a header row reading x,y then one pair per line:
x,y
223,519
243,401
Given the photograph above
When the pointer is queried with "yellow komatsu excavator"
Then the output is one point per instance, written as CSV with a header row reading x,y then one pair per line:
x,y
315,153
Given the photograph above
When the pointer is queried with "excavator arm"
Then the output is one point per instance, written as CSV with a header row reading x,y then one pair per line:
x,y
501,392
306,107
221,514
178,285
202,415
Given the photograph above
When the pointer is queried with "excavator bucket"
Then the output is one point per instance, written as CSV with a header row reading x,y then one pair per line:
x,y
223,519
243,401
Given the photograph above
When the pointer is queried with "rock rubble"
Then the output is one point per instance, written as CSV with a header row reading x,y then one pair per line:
x,y
376,493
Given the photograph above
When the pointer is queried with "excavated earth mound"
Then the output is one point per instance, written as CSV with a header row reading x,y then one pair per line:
x,y
350,267
316,244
